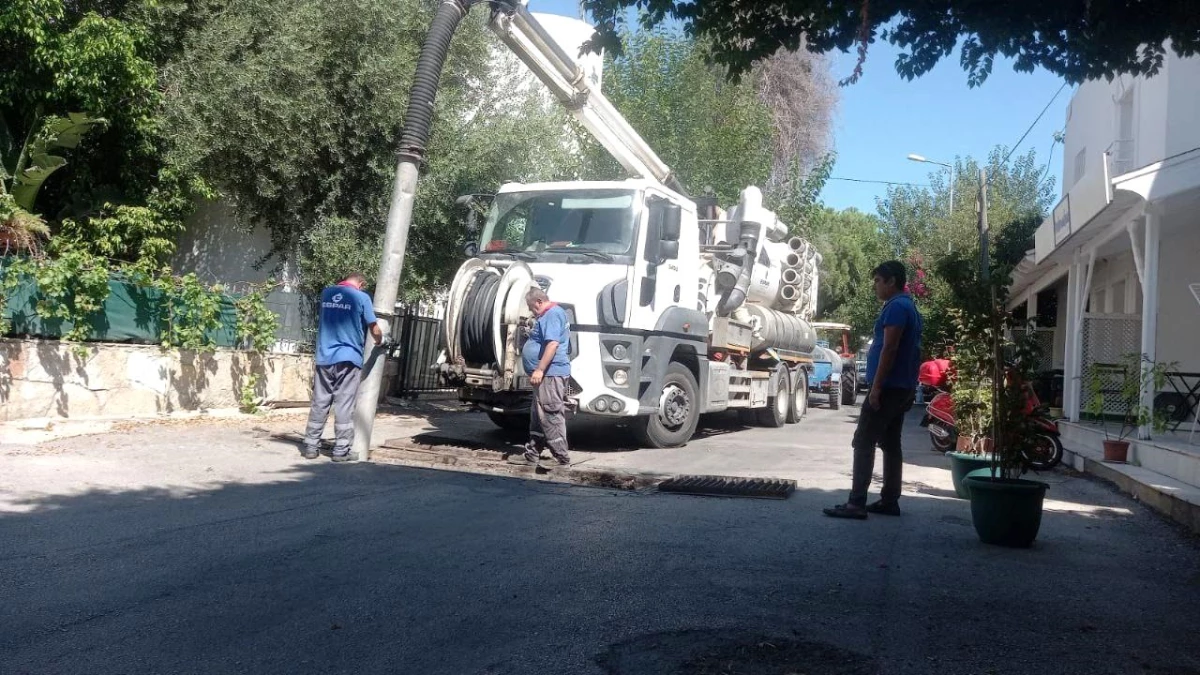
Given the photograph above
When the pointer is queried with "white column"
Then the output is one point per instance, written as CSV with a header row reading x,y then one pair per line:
x,y
1149,308
1031,308
1070,357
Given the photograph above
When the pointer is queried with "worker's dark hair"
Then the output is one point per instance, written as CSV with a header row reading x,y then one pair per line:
x,y
892,270
536,295
356,277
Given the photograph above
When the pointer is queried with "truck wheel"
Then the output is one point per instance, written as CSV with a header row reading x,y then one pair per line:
x,y
678,411
776,412
835,398
799,406
849,388
509,421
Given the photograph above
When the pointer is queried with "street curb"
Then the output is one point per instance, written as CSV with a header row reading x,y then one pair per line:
x,y
490,462
1180,510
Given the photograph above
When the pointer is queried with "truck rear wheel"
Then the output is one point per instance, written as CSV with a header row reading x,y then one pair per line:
x,y
849,388
678,411
776,412
799,406
509,421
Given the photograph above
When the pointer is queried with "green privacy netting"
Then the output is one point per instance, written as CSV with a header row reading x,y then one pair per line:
x,y
132,313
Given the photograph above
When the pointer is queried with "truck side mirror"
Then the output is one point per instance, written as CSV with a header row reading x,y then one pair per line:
x,y
668,250
672,224
472,203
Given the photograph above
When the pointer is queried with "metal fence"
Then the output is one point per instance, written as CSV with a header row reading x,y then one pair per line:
x,y
419,342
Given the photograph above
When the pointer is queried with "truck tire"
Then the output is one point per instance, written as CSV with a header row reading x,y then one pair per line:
x,y
849,388
835,398
799,406
776,412
678,411
509,421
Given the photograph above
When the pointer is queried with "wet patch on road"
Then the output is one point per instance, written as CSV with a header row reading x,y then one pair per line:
x,y
714,652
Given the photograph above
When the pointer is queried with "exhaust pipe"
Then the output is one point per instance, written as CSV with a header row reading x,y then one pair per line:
x,y
792,260
791,276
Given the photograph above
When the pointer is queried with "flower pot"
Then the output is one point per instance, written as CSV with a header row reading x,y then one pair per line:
x,y
962,464
1006,511
1116,451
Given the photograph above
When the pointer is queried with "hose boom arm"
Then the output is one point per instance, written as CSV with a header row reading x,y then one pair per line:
x,y
522,34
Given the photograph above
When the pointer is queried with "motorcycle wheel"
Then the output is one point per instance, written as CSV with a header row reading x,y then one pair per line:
x,y
942,445
1045,454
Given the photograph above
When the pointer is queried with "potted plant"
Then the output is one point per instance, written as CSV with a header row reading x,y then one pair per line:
x,y
1122,385
971,394
1006,510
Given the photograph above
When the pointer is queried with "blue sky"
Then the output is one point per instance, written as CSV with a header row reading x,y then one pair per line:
x,y
883,118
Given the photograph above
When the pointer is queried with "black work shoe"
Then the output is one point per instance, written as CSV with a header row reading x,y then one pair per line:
x,y
562,461
527,459
884,508
846,511
348,457
311,453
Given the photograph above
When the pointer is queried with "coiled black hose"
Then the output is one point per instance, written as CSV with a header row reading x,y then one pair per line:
x,y
475,335
419,116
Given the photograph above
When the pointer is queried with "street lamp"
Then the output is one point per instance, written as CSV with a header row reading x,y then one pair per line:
x,y
920,158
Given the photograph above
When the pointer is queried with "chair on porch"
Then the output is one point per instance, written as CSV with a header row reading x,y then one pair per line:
x,y
1195,289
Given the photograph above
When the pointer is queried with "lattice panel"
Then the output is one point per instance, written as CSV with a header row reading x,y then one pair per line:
x,y
1045,341
1107,341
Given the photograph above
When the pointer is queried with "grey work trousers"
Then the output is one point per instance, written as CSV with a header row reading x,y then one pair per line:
x,y
335,386
882,427
548,419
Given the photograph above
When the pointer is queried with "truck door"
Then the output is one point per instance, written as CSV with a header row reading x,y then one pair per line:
x,y
661,279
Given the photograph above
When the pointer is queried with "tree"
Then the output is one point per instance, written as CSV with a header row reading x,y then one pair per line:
x,y
919,228
292,110
798,88
96,58
1075,40
851,244
712,133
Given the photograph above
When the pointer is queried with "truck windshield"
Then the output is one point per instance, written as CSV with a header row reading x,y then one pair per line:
x,y
596,221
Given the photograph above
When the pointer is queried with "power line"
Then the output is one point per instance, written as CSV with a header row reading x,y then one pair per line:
x,y
1034,124
879,182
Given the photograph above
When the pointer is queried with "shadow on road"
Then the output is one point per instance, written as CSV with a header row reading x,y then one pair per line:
x,y
366,568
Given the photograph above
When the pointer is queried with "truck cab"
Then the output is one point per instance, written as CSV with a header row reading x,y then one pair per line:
x,y
608,252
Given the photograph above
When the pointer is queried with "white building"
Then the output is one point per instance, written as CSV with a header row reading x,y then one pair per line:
x,y
1114,268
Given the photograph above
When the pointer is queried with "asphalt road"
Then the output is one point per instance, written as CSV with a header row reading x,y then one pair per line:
x,y
316,568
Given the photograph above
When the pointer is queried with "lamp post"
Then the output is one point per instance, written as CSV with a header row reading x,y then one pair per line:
x,y
950,168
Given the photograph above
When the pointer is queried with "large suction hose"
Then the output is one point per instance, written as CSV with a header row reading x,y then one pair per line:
x,y
419,117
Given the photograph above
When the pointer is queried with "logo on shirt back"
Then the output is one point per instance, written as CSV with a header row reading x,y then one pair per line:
x,y
336,303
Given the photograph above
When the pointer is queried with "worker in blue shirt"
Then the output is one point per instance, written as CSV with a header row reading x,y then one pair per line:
x,y
893,363
547,362
346,316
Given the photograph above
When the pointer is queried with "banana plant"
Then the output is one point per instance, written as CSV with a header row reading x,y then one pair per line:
x,y
34,162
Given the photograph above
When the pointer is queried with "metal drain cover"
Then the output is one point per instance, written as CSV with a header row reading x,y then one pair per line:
x,y
729,486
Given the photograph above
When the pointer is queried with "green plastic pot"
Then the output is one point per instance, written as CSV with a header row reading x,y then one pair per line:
x,y
1006,511
961,465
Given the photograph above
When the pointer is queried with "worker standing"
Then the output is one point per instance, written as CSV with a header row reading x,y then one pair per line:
x,y
345,317
547,361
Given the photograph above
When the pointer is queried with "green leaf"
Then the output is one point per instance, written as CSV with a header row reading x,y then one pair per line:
x,y
57,133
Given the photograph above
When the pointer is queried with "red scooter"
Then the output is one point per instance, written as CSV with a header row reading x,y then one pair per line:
x,y
1046,452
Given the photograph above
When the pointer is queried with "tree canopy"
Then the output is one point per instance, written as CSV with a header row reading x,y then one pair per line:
x,y
1077,40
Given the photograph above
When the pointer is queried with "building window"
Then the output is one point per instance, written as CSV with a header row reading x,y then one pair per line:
x,y
1080,165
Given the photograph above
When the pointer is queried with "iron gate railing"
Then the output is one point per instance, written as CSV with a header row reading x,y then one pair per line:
x,y
418,343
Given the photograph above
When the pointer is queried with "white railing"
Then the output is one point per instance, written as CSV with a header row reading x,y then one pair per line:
x,y
1122,155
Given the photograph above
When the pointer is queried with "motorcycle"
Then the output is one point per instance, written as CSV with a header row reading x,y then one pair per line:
x,y
1046,451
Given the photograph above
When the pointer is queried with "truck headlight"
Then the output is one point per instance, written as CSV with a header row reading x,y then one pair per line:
x,y
620,377
619,352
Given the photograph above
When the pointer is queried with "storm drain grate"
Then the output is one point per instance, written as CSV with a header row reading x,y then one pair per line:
x,y
727,486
